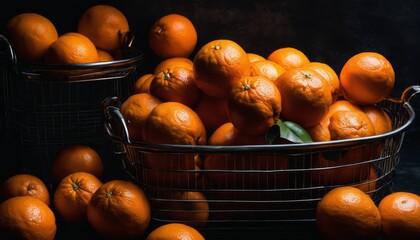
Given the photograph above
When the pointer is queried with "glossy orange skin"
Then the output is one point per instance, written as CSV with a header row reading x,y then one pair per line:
x,y
119,209
288,57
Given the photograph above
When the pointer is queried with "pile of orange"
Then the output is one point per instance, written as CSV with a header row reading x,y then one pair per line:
x,y
221,96
101,32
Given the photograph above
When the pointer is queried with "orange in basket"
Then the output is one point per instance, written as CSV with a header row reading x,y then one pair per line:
x,y
367,78
30,35
135,110
218,65
212,111
189,207
254,105
329,74
220,167
71,48
266,68
306,96
172,123
106,26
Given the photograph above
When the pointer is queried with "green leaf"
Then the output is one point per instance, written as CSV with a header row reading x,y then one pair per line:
x,y
288,130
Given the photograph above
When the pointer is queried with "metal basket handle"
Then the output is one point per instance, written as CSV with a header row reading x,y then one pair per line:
x,y
409,92
6,48
114,122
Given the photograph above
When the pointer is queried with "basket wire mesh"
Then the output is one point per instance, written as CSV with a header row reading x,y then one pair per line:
x,y
47,107
258,186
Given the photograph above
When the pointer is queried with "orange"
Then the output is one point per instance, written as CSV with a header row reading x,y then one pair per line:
x,y
228,135
218,64
307,96
212,111
347,213
254,105
186,207
26,217
71,48
173,35
72,196
174,231
329,74
106,26
119,209
175,84
380,119
266,68
172,62
350,124
369,185
288,57
344,121
367,78
30,35
400,213
76,158
142,84
172,123
25,185
104,56
320,132
135,110
254,57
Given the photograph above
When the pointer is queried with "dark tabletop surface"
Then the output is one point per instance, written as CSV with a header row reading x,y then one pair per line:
x,y
326,31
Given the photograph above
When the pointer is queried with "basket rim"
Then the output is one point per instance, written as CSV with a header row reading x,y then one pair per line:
x,y
284,148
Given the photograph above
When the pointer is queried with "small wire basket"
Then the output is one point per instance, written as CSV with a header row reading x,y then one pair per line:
x,y
47,107
258,186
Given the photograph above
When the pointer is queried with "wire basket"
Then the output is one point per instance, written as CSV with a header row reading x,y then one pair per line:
x,y
258,186
49,106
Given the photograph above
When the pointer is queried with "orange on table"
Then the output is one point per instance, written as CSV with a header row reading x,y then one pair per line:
x,y
400,216
104,56
254,57
212,111
347,213
329,74
30,35
71,48
142,84
288,57
72,196
267,68
106,26
307,96
25,185
174,231
367,78
119,209
135,110
76,158
26,217
254,105
172,123
188,207
175,84
173,35
218,64
380,119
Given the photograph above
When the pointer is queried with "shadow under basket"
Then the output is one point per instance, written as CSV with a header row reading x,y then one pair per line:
x,y
257,186
47,107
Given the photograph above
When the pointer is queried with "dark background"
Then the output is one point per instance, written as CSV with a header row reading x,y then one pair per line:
x,y
326,31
